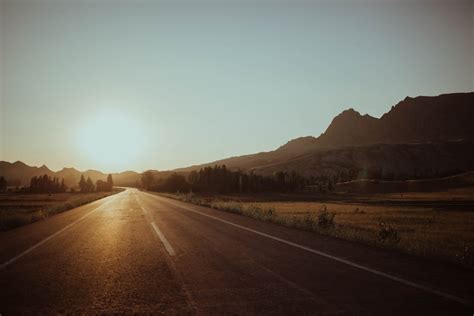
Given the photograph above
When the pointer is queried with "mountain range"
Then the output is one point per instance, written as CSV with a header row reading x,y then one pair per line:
x,y
421,137
21,174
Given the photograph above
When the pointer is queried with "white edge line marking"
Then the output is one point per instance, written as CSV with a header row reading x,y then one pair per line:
x,y
163,239
12,260
323,254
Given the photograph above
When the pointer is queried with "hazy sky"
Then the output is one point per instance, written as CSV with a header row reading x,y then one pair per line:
x,y
186,83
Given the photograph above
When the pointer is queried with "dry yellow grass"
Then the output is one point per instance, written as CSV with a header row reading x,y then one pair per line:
x,y
18,209
458,194
446,234
420,229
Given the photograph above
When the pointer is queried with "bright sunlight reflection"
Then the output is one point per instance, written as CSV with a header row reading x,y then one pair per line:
x,y
111,140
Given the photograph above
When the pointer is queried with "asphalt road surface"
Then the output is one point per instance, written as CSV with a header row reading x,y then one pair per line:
x,y
136,252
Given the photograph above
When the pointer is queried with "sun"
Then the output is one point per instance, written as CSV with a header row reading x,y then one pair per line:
x,y
110,140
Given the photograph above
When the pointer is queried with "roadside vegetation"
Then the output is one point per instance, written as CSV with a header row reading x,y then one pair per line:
x,y
17,209
219,179
432,224
46,197
445,234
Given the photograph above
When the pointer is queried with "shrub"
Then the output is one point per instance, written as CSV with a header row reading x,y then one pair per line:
x,y
253,211
387,234
308,221
38,216
466,255
358,211
269,212
189,197
325,218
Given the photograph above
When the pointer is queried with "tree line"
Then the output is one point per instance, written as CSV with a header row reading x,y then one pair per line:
x,y
87,186
46,184
3,183
219,179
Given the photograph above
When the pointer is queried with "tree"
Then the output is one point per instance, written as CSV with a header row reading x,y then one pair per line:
x,y
110,182
219,179
101,186
147,180
281,178
82,184
193,177
330,184
174,183
63,186
90,185
3,184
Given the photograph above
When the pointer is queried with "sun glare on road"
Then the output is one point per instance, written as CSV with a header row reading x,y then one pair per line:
x,y
112,140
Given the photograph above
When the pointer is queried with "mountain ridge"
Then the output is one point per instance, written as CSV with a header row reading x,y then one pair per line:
x,y
445,117
20,173
419,128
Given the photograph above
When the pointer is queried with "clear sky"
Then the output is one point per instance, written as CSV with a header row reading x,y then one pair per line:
x,y
115,85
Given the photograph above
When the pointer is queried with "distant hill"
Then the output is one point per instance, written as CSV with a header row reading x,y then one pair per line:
x,y
19,171
420,119
419,138
381,161
438,130
22,173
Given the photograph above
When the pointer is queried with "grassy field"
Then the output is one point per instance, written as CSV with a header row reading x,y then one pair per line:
x,y
18,209
418,223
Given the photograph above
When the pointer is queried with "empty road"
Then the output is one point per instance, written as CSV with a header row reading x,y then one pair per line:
x,y
136,252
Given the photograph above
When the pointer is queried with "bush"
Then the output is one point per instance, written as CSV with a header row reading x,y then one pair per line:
x,y
325,218
189,197
259,213
466,255
309,221
269,212
388,235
